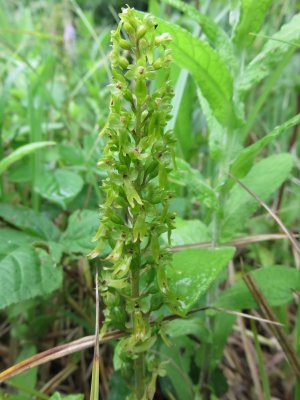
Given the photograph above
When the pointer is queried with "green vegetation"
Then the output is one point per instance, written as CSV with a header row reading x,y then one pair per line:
x,y
192,109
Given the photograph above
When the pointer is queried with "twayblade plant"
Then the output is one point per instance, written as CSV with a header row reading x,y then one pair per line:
x,y
231,92
137,158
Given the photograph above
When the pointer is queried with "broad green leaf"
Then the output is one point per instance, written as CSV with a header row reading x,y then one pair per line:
x,y
27,379
184,327
71,154
193,272
217,139
29,221
55,251
218,134
183,106
26,273
179,205
207,68
118,387
154,7
223,324
263,179
276,284
178,366
188,232
222,140
11,239
21,172
285,40
214,33
22,152
60,186
82,226
252,15
243,163
185,175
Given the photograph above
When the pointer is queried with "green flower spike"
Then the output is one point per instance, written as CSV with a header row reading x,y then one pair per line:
x,y
137,159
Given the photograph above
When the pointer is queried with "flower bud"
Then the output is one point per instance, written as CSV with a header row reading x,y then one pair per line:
x,y
144,45
158,63
149,21
163,38
124,44
128,28
128,95
123,62
141,31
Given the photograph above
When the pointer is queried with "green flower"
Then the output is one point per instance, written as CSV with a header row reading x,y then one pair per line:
x,y
137,158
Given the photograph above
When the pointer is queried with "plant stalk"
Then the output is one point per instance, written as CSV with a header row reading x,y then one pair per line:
x,y
139,376
139,367
139,370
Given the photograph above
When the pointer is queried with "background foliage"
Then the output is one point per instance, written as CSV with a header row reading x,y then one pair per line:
x,y
235,116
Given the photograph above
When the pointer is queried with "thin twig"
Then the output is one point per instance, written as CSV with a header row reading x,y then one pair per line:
x,y
237,242
58,378
57,352
293,241
277,330
89,341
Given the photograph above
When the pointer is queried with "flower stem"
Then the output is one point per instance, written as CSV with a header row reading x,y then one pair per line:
x,y
139,376
139,371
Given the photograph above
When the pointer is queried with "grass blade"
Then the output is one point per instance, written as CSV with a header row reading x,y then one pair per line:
x,y
277,330
22,152
94,395
262,370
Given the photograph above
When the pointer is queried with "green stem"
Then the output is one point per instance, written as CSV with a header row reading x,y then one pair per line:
x,y
269,85
139,367
139,371
139,376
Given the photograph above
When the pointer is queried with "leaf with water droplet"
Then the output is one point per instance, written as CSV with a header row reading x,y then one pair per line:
x,y
194,271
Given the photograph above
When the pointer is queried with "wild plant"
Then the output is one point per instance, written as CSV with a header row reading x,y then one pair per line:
x,y
137,159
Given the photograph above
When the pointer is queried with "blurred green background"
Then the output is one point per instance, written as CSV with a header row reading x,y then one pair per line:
x,y
54,68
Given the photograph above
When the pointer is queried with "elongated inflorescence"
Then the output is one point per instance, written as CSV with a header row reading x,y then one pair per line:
x,y
137,158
